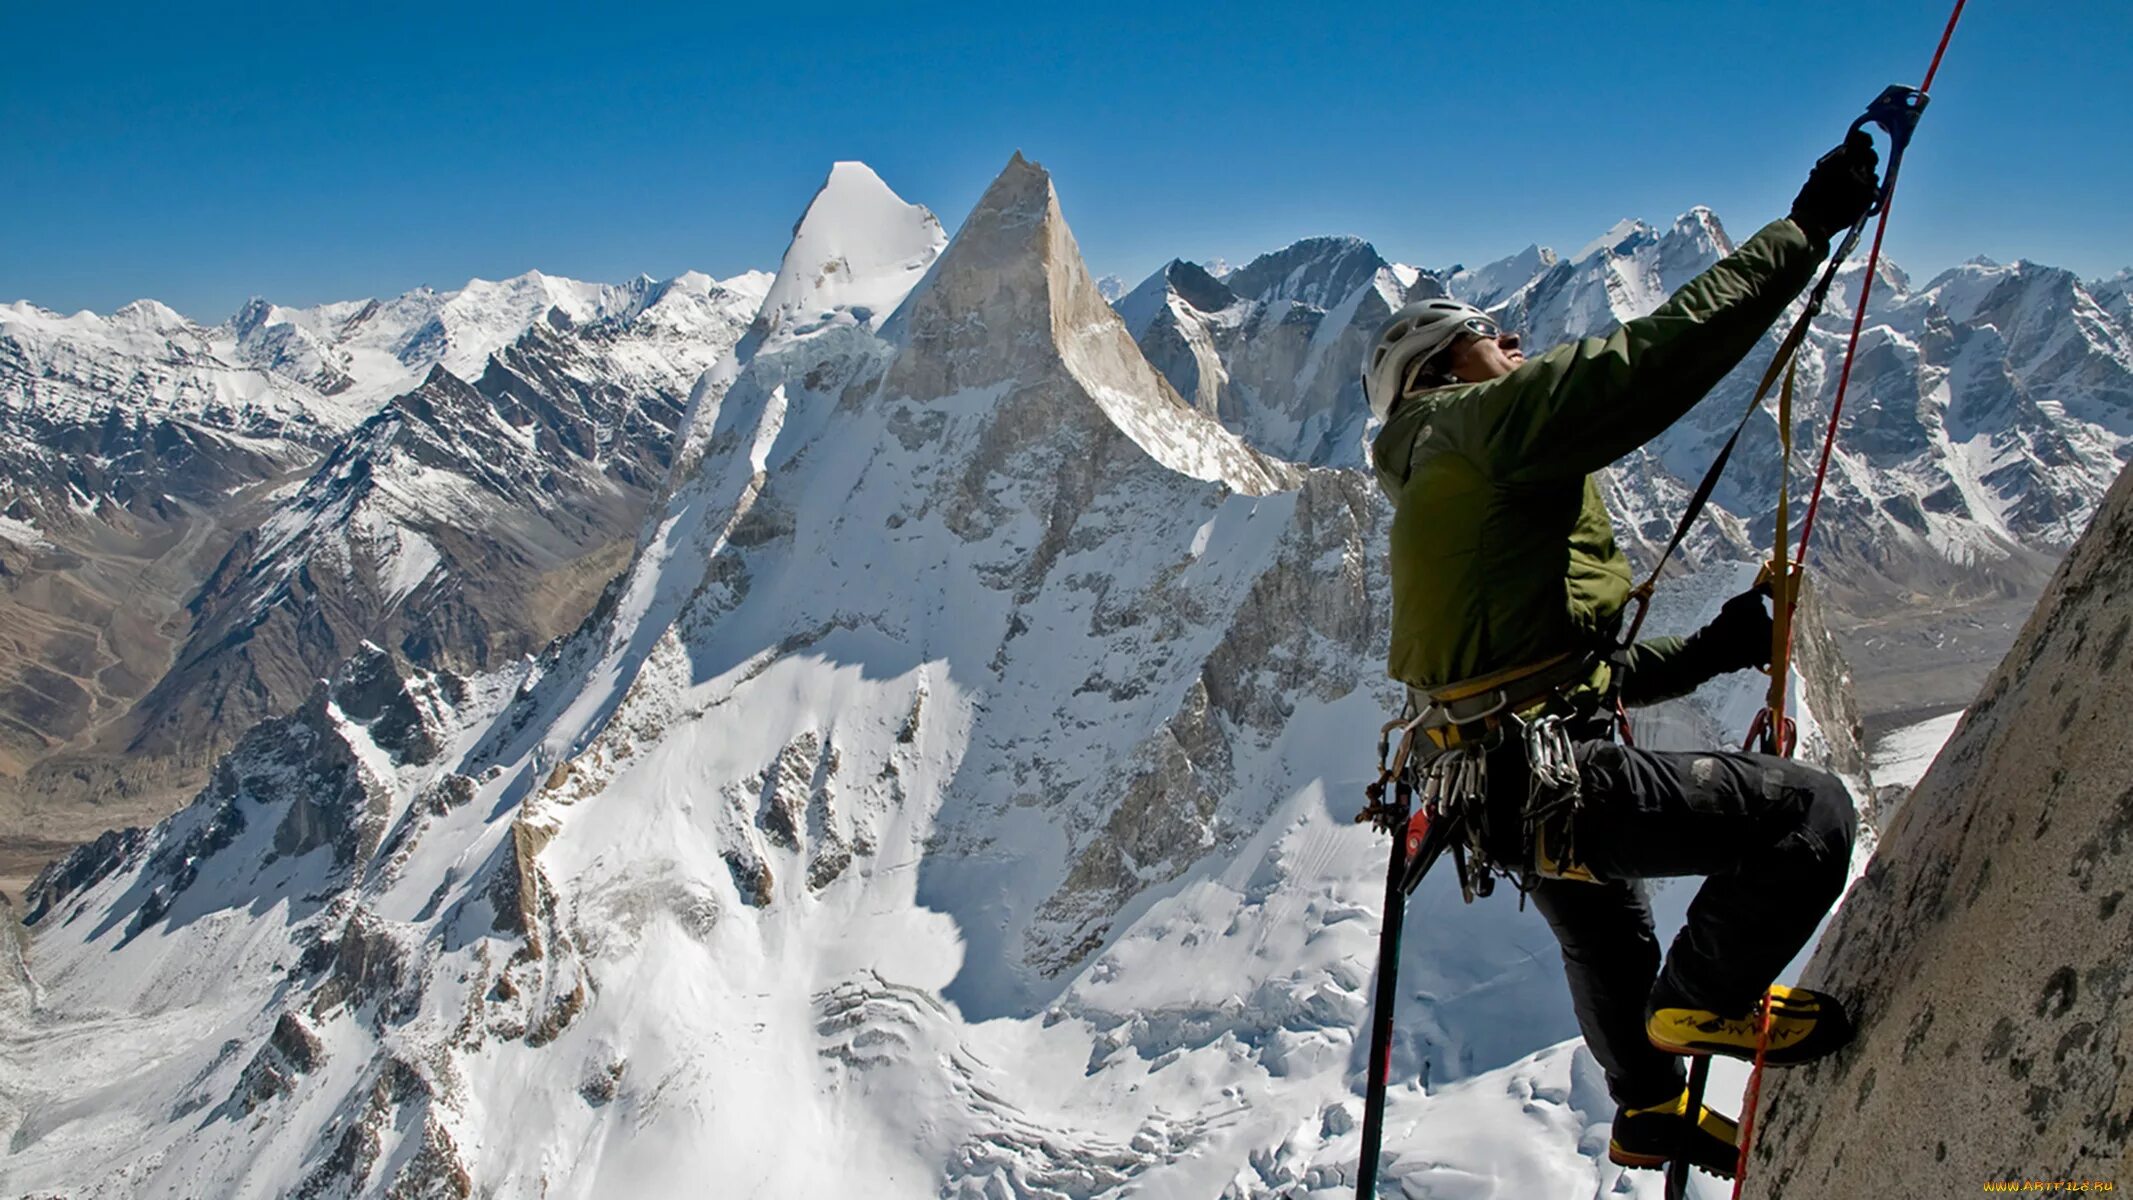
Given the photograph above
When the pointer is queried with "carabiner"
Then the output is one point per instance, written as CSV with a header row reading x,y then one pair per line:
x,y
1896,110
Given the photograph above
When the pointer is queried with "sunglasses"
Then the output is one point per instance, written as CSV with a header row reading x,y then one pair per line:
x,y
1481,326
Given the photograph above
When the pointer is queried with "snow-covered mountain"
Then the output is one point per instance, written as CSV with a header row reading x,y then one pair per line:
x,y
960,775
462,525
500,442
1989,409
1273,348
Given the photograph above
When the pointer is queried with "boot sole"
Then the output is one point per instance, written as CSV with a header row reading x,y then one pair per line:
x,y
1728,1050
1654,1162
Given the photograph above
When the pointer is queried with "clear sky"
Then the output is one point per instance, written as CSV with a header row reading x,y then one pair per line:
x,y
201,155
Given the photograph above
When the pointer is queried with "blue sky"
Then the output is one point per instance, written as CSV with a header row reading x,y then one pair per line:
x,y
311,153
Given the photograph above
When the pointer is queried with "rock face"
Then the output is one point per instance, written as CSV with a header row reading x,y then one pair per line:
x,y
133,449
463,525
136,448
1985,948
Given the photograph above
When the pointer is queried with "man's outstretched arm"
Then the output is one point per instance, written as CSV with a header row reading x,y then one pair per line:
x,y
1583,405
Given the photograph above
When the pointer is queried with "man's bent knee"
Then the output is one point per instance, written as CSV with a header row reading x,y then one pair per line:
x,y
1828,828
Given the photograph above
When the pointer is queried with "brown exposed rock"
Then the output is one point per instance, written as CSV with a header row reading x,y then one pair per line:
x,y
83,867
290,1052
436,1171
370,969
603,1083
1014,267
751,875
515,888
558,1017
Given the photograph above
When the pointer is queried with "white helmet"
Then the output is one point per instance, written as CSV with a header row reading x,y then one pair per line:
x,y
1414,333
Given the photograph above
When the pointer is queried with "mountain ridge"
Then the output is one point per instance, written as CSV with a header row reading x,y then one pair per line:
x,y
986,756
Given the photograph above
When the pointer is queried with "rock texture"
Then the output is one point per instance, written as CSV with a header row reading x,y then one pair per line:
x,y
133,449
1986,947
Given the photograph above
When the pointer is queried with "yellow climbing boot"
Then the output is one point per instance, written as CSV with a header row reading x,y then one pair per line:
x,y
1804,1026
1655,1136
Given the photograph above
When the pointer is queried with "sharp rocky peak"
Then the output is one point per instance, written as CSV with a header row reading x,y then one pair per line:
x,y
1622,238
1490,285
1014,270
1196,287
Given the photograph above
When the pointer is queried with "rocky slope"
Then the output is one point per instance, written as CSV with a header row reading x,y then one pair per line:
x,y
128,447
961,772
462,525
1985,949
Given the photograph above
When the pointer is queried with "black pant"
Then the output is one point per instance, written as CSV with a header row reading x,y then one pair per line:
x,y
1773,836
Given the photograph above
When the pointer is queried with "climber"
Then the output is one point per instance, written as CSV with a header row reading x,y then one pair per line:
x,y
1508,596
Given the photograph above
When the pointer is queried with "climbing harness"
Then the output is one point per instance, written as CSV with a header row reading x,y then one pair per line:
x,y
1430,791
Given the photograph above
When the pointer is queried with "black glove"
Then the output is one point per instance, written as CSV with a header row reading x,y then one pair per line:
x,y
1839,190
1738,637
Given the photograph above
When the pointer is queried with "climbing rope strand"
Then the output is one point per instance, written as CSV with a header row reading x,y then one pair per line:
x,y
1781,668
1851,346
1779,362
1844,378
1755,1093
1774,729
1926,84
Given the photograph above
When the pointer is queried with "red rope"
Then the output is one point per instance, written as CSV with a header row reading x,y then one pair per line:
x,y
1807,528
1945,34
1755,1093
1851,345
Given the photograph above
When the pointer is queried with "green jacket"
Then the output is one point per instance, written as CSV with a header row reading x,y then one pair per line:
x,y
1503,552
